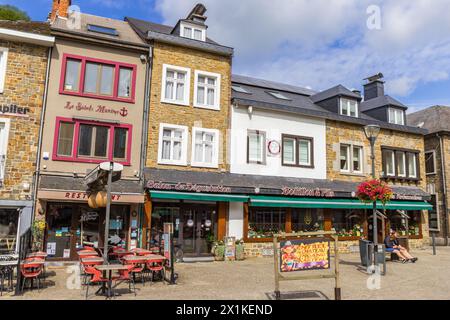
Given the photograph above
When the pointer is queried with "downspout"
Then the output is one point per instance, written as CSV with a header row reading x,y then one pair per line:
x,y
444,188
41,130
145,125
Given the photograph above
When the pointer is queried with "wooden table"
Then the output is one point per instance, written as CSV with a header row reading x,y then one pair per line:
x,y
141,252
85,253
37,255
109,268
33,261
93,260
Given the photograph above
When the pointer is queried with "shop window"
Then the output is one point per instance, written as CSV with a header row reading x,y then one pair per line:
x,y
205,144
9,219
94,78
207,90
172,148
84,141
351,158
175,85
256,151
400,164
297,151
347,223
430,162
406,223
307,220
161,215
264,222
4,133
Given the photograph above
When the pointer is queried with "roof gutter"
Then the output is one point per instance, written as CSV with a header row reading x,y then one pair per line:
x,y
28,37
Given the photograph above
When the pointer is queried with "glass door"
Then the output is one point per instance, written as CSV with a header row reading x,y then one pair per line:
x,y
199,229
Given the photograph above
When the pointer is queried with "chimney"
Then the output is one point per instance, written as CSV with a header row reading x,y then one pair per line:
x,y
60,8
374,88
197,14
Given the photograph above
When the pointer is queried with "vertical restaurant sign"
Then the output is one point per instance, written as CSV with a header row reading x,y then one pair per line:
x,y
304,254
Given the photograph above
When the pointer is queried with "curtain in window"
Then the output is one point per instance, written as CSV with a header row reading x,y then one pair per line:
x,y
199,147
178,135
90,77
356,159
72,75
400,159
303,149
344,157
289,150
166,144
125,82
197,34
412,165
107,76
254,148
180,86
65,138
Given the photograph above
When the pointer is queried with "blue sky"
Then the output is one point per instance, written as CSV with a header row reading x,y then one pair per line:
x,y
315,43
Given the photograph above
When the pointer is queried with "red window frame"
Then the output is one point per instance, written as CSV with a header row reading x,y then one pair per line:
x,y
74,157
81,93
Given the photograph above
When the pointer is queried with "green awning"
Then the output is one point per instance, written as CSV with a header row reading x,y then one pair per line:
x,y
174,195
333,203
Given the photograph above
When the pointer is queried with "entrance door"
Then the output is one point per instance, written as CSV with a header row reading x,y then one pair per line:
x,y
199,229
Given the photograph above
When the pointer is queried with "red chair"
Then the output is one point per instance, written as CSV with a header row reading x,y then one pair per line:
x,y
124,275
31,271
138,268
96,277
156,266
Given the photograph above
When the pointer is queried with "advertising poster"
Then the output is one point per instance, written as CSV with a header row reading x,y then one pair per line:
x,y
51,248
305,254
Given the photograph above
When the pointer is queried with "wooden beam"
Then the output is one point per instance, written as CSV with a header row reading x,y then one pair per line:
x,y
147,225
222,220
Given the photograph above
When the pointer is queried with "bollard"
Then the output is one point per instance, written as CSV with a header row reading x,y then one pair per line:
x,y
433,239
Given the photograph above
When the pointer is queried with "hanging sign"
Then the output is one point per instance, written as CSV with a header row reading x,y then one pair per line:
x,y
273,148
304,254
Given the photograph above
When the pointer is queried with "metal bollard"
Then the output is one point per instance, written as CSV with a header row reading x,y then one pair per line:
x,y
433,242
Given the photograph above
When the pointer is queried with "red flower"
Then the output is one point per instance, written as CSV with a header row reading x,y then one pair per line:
x,y
373,190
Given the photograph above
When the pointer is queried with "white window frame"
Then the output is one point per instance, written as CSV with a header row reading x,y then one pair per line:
x,y
215,157
350,149
262,147
341,103
183,160
393,163
3,66
434,162
193,27
187,85
396,119
415,164
216,105
4,146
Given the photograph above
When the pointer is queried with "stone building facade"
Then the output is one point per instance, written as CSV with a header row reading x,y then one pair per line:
x,y
24,51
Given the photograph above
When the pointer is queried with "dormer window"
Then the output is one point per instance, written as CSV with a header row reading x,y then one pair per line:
x,y
396,116
192,31
349,107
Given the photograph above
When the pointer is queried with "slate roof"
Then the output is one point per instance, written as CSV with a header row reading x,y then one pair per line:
x,y
42,28
77,184
125,35
381,102
245,183
338,90
435,119
300,103
153,31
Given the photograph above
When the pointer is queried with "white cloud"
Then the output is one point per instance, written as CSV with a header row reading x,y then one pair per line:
x,y
321,43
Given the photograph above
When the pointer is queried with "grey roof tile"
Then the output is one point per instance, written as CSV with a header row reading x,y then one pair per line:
x,y
381,102
435,119
338,90
270,84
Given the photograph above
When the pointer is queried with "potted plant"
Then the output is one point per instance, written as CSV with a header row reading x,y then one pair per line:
x,y
374,190
37,230
218,250
210,240
240,253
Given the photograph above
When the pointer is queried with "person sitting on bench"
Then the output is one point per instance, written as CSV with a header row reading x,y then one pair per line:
x,y
392,245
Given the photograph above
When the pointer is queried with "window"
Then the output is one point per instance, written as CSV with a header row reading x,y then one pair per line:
x,y
207,90
205,147
4,133
406,223
349,107
278,95
193,31
104,30
100,79
172,148
297,151
396,116
3,66
400,163
264,222
347,223
88,141
9,224
430,162
307,220
351,158
256,147
175,87
240,89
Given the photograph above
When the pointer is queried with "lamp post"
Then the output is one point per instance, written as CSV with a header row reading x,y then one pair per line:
x,y
371,131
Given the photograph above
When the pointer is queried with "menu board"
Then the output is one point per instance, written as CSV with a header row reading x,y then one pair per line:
x,y
304,254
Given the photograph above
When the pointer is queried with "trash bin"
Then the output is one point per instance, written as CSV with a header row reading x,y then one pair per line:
x,y
365,250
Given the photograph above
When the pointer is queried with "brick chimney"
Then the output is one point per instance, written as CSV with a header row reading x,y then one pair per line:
x,y
60,8
374,87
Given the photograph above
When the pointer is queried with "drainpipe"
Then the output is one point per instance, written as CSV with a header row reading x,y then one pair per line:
x,y
41,130
145,125
444,188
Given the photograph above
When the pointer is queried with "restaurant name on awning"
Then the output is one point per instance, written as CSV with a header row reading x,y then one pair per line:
x,y
305,192
398,196
192,187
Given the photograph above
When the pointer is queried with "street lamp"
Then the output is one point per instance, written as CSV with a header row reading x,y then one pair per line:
x,y
371,131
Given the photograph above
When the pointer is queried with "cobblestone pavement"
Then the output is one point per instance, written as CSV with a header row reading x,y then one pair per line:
x,y
428,278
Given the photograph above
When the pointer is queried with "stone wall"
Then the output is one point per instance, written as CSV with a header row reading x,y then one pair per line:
x,y
24,87
188,115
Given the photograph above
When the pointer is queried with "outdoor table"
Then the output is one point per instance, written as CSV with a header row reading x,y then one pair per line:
x,y
135,259
92,261
33,261
86,253
37,255
7,269
109,268
141,252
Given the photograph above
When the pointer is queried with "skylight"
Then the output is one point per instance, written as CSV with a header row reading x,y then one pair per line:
x,y
278,95
239,89
104,30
